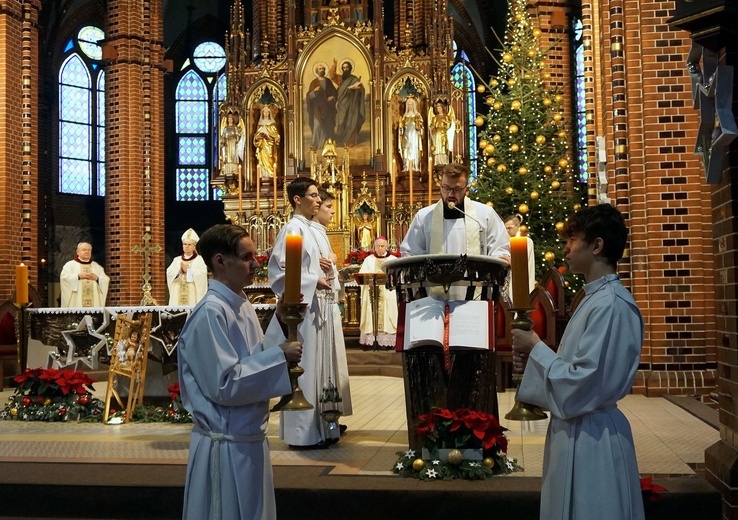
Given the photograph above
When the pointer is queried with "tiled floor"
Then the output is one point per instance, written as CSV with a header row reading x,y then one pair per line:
x,y
669,441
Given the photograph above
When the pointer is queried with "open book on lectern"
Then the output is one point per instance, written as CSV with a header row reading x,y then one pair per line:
x,y
470,323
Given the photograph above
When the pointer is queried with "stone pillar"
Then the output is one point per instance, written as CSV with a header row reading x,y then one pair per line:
x,y
712,24
135,147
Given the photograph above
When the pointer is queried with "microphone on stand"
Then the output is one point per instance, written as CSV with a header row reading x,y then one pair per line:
x,y
452,205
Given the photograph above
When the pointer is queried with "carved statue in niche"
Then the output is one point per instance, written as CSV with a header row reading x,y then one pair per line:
x,y
441,128
266,144
366,227
232,135
410,136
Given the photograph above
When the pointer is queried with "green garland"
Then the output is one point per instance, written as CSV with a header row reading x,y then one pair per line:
x,y
410,466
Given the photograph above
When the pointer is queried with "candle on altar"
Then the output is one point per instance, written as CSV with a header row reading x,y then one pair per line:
x,y
292,268
393,175
410,173
21,283
257,208
519,267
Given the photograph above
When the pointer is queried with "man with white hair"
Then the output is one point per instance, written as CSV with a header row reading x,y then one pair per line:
x,y
187,275
386,302
83,282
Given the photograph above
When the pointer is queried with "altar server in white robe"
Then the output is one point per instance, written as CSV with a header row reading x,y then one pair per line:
x,y
227,374
187,275
331,317
589,460
456,225
83,281
303,429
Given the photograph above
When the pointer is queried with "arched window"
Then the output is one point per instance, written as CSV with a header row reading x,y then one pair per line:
x,y
463,79
197,95
580,118
82,115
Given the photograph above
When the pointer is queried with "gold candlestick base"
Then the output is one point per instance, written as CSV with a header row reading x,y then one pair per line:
x,y
296,399
523,411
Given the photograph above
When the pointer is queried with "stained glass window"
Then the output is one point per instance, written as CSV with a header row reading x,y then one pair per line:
x,y
82,115
581,111
198,92
463,79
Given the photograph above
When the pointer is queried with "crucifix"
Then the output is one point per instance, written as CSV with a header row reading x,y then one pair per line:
x,y
147,249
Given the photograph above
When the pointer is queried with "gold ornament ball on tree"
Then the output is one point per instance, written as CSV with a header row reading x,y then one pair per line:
x,y
515,147
558,98
491,161
455,457
557,117
523,208
522,170
501,168
494,83
537,32
483,143
509,190
511,82
576,207
534,195
481,88
496,137
489,462
547,169
546,75
559,226
497,105
523,229
556,185
489,100
516,104
418,464
518,16
478,121
549,256
546,101
563,162
531,53
489,203
513,129
562,134
507,57
515,48
541,139
489,149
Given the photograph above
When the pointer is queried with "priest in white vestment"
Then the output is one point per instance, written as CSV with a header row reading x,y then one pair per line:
x,y
187,275
228,372
589,460
386,302
303,429
83,281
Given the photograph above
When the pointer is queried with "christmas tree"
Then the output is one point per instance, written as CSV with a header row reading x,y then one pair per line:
x,y
525,165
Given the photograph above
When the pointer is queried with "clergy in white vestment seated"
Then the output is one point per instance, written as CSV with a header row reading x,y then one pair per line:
x,y
187,275
83,281
386,302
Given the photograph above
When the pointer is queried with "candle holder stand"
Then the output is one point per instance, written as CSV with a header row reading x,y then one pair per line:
x,y
296,399
523,411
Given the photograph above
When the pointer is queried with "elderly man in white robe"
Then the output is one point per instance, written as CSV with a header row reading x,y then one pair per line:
x,y
228,372
386,302
187,275
304,429
83,281
589,460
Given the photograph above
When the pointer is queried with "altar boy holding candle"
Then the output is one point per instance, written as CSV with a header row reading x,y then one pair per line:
x,y
303,429
228,372
589,461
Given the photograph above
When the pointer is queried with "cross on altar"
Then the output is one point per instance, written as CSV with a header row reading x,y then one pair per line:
x,y
147,249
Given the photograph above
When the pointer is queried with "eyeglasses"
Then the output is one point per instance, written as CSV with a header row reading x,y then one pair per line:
x,y
315,195
448,189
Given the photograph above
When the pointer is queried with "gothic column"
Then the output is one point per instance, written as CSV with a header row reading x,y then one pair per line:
x,y
135,147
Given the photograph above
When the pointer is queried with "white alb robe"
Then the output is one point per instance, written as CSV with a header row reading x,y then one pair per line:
x,y
320,234
302,427
189,288
589,461
386,308
83,293
227,376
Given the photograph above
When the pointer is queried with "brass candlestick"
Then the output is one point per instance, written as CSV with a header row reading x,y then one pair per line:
x,y
296,399
523,411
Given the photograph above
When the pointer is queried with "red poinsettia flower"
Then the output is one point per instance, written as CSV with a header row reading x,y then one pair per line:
x,y
651,490
174,391
461,429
